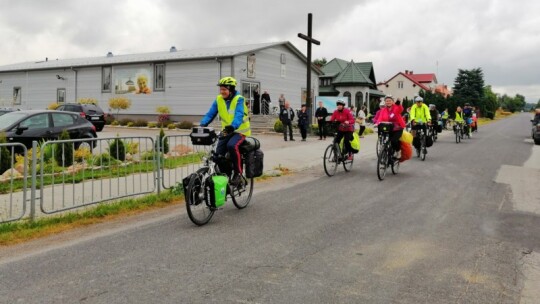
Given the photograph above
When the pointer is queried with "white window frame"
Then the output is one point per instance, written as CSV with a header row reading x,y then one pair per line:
x,y
400,84
159,86
104,79
58,90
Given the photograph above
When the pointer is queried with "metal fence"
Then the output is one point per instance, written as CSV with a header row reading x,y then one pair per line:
x,y
13,181
70,174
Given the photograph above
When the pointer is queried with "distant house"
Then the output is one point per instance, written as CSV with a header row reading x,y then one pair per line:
x,y
354,81
407,85
443,90
183,80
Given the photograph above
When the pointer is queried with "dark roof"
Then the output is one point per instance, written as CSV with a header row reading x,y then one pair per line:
x,y
352,74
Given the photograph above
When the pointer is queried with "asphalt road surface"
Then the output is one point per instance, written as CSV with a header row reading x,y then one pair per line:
x,y
441,231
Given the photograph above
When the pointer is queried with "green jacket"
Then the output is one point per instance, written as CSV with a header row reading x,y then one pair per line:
x,y
420,114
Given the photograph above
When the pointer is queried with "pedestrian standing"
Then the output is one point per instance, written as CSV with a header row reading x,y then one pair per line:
x,y
303,122
281,102
265,97
287,116
361,120
321,113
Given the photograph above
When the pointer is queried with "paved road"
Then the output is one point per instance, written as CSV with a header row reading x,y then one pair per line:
x,y
442,231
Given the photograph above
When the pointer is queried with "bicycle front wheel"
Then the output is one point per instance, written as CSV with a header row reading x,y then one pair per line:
x,y
198,207
382,164
347,164
241,195
330,161
456,132
423,149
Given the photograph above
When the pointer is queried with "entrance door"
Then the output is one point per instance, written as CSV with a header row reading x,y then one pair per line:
x,y
250,91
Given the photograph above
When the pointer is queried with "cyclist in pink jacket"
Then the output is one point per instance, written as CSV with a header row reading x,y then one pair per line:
x,y
392,113
346,127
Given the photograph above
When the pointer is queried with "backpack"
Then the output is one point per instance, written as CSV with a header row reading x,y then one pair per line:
x,y
254,163
429,141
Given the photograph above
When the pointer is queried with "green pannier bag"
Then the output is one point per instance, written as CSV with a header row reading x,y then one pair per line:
x,y
355,143
217,190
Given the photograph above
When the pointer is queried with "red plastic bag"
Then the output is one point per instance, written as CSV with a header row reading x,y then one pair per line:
x,y
406,151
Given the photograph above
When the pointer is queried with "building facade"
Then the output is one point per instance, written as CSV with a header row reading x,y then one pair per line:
x,y
407,85
353,81
183,80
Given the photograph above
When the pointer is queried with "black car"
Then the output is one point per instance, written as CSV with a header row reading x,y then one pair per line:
x,y
39,125
93,113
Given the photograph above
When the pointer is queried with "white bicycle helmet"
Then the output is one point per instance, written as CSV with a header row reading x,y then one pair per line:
x,y
418,98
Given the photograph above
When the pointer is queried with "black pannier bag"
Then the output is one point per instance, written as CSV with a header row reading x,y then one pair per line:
x,y
416,142
203,136
429,141
254,162
250,144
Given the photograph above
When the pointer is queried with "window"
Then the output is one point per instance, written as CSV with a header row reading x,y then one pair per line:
x,y
106,73
61,95
400,84
283,59
62,120
17,95
159,77
39,121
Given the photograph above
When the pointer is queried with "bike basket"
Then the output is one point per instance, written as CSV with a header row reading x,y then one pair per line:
x,y
203,136
385,127
250,144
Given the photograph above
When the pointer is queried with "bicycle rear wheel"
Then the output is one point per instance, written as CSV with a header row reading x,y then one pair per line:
x,y
395,166
330,161
241,195
382,164
456,132
197,205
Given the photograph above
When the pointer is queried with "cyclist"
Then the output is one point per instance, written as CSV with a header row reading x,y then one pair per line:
x,y
392,113
346,127
232,109
434,113
458,117
376,118
444,116
467,116
419,114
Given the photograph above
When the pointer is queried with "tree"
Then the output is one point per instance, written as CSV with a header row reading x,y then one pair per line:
x,y
469,85
320,62
491,103
64,151
119,103
538,104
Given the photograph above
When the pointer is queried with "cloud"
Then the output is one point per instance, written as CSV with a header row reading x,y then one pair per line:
x,y
419,35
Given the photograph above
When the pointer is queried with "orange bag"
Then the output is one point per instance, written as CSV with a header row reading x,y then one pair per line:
x,y
406,151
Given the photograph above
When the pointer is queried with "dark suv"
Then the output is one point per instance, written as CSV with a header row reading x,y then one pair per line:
x,y
91,112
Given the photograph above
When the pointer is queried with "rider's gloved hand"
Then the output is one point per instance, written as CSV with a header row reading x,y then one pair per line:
x,y
228,129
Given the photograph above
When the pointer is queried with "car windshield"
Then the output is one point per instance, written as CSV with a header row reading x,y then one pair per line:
x,y
8,119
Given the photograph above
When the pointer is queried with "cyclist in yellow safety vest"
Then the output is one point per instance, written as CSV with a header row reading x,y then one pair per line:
x,y
233,111
419,114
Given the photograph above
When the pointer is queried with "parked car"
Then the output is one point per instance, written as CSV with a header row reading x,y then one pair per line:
x,y
43,125
536,129
92,113
6,110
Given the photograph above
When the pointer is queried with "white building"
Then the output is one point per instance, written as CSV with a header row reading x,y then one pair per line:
x,y
407,85
183,80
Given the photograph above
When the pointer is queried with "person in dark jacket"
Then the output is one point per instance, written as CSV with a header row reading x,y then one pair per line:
x,y
287,116
303,121
321,113
265,97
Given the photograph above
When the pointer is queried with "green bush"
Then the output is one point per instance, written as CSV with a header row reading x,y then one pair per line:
x,y
171,126
278,126
125,121
104,159
149,155
140,123
117,149
115,123
185,125
152,125
63,154
109,118
5,156
165,144
46,151
130,124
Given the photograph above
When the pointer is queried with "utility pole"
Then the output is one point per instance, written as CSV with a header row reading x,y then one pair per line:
x,y
310,41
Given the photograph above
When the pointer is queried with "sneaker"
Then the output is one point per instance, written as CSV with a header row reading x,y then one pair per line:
x,y
236,180
397,155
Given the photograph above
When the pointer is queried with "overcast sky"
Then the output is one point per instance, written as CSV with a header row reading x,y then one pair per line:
x,y
501,37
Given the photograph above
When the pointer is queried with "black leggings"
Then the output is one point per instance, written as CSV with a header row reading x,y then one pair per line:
x,y
362,129
394,139
346,142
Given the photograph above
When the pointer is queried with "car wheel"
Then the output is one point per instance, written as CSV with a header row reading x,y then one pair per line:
x,y
99,128
90,144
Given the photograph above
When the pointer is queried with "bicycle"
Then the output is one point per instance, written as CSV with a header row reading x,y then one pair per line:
x,y
333,156
432,132
458,131
197,186
385,157
421,150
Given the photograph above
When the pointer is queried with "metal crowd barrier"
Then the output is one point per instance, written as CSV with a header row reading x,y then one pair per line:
x,y
70,174
13,181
